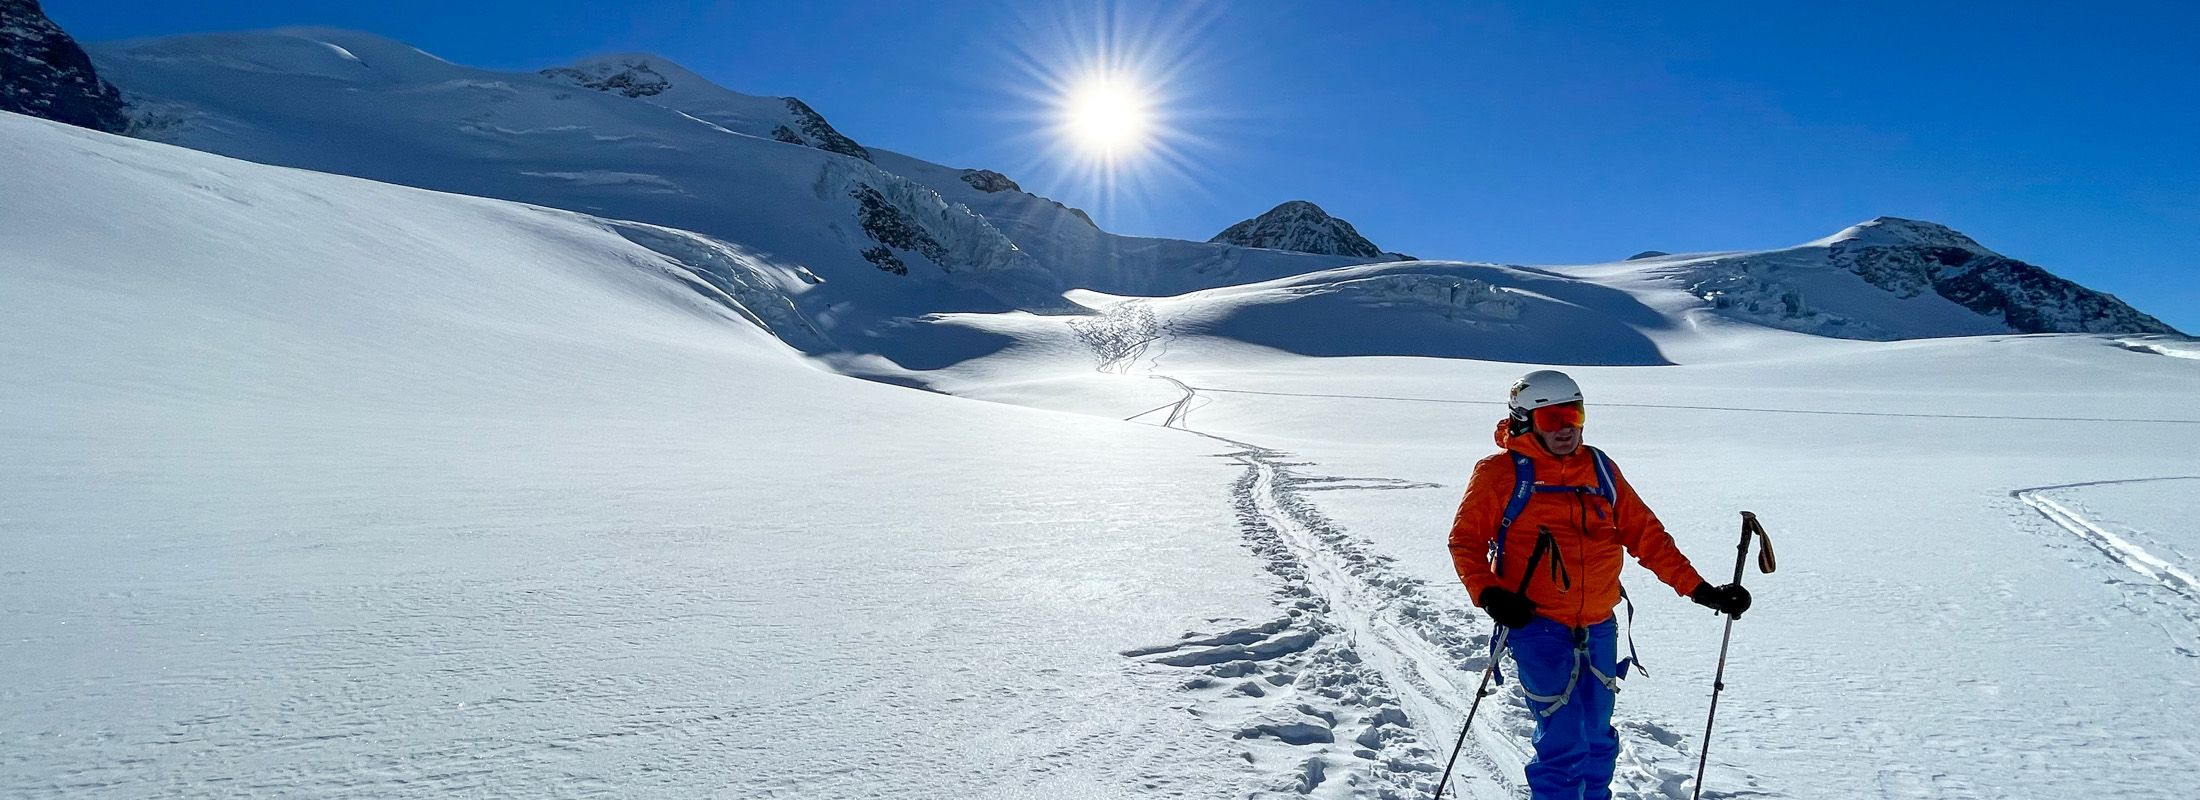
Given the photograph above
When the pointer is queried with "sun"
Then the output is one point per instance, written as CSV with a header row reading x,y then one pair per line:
x,y
1113,105
1107,116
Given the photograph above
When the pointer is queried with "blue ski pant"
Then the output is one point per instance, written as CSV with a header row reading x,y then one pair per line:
x,y
1575,746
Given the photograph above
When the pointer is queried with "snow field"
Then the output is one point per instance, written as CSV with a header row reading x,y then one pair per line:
x,y
1928,635
321,487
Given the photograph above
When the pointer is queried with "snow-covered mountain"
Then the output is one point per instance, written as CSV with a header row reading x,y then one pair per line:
x,y
45,74
1300,227
660,82
877,246
891,239
1886,278
1909,258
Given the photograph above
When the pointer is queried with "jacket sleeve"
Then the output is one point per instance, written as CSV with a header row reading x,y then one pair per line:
x,y
1475,524
1647,541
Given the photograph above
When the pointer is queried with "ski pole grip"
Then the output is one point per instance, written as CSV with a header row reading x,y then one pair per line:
x,y
1741,551
1765,562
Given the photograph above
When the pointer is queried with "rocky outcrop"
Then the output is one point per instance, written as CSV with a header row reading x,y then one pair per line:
x,y
891,228
986,180
1648,254
1300,227
821,134
43,73
629,78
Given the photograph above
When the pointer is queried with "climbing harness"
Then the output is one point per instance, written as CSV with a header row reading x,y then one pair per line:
x,y
1553,702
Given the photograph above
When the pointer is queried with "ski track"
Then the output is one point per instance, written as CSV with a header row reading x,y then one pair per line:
x,y
2167,586
1359,687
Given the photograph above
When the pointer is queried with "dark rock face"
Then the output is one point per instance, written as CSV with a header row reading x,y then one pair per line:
x,y
1300,227
822,133
1648,254
986,180
631,80
786,134
884,259
43,73
1947,263
891,228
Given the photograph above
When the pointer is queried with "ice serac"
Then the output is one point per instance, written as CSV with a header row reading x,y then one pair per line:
x,y
901,215
1300,227
43,73
1892,278
655,80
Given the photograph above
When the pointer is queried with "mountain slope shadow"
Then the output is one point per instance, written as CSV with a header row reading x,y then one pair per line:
x,y
1441,310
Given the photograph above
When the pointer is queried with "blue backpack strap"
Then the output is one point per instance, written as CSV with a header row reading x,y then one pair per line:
x,y
1632,660
1607,487
1523,488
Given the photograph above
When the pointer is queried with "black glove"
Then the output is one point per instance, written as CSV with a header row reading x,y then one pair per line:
x,y
1730,599
1508,609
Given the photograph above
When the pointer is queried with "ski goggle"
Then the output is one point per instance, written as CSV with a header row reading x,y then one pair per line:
x,y
1563,415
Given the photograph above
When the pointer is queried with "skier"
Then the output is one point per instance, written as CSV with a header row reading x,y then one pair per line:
x,y
1565,640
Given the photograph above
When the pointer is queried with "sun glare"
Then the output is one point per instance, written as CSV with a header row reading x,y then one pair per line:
x,y
1112,105
1108,116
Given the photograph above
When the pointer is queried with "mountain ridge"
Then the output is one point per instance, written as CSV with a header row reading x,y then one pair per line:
x,y
638,137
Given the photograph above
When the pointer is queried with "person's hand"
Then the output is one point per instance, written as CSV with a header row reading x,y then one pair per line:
x,y
1730,599
1508,609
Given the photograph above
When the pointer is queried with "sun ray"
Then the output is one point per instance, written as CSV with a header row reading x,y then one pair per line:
x,y
1111,105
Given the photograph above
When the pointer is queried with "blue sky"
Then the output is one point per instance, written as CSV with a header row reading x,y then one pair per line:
x,y
1529,132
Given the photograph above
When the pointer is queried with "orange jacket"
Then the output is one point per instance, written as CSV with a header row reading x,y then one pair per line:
x,y
1591,534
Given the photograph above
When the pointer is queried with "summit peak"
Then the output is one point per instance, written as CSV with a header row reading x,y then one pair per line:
x,y
1302,227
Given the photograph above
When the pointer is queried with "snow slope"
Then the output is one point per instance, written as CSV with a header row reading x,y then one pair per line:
x,y
323,487
882,247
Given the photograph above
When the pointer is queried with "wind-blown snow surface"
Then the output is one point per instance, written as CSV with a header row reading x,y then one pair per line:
x,y
322,487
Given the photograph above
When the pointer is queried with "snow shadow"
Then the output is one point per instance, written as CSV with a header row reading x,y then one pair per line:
x,y
1463,311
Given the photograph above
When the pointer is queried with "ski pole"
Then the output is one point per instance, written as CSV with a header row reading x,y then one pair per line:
x,y
1543,544
1718,680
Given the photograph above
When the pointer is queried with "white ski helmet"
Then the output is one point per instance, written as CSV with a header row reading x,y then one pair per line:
x,y
1543,387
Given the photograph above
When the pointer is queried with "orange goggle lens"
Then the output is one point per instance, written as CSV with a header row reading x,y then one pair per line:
x,y
1567,415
